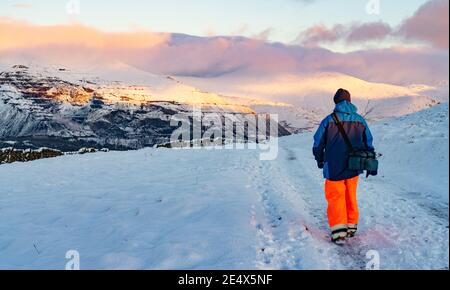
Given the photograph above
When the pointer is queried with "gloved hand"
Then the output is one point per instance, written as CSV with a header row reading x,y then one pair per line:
x,y
373,173
320,164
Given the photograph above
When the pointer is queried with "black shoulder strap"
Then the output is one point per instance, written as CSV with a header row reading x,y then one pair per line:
x,y
342,131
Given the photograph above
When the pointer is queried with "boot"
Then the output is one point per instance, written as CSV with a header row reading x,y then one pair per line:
x,y
351,231
338,235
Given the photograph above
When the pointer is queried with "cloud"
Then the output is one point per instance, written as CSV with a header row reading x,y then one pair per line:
x,y
352,33
265,34
318,34
428,25
368,31
243,29
184,55
17,35
403,66
213,56
217,56
23,5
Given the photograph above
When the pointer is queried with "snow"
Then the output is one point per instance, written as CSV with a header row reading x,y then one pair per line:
x,y
299,100
226,209
293,88
125,210
314,92
118,83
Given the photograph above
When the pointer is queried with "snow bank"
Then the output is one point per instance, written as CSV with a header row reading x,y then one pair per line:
x,y
207,209
147,209
415,151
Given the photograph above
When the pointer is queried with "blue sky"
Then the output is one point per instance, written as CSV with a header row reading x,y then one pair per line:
x,y
284,18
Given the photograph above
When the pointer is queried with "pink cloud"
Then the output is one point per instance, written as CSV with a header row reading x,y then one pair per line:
x,y
368,31
16,35
356,32
430,24
186,55
320,34
394,65
265,34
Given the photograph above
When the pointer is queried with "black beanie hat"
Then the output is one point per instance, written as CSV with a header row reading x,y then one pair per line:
x,y
342,95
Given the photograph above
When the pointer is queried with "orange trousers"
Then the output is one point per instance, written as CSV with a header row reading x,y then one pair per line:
x,y
342,203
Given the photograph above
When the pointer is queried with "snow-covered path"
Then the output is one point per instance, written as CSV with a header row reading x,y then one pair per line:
x,y
408,231
404,211
207,209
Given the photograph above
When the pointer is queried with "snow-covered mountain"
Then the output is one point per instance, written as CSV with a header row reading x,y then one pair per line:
x,y
314,92
116,107
137,210
120,107
301,100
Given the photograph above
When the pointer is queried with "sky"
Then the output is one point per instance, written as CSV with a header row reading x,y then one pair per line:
x,y
274,20
406,43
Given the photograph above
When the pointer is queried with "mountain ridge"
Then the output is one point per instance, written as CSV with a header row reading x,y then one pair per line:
x,y
56,108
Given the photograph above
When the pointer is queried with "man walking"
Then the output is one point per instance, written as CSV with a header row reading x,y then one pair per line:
x,y
332,153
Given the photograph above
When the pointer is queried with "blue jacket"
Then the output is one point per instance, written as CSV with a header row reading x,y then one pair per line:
x,y
330,147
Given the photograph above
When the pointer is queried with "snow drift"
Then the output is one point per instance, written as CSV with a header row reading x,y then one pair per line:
x,y
177,209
